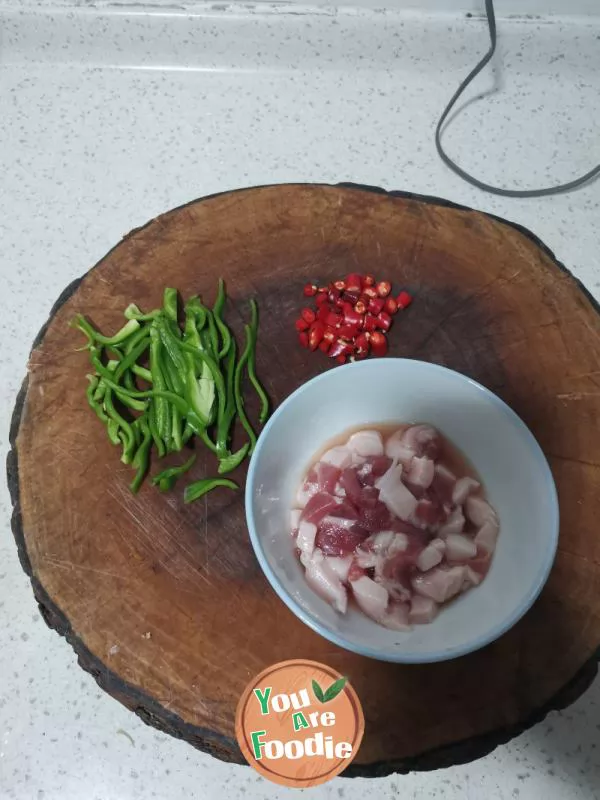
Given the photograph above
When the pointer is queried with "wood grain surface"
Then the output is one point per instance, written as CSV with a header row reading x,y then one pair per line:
x,y
166,605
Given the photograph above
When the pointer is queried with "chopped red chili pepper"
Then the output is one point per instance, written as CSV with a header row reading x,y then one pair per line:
x,y
348,331
360,308
384,288
354,282
333,318
310,290
376,305
324,346
301,324
330,334
334,295
378,344
370,323
384,321
368,280
391,306
341,359
370,292
404,300
308,314
315,335
303,339
321,298
351,297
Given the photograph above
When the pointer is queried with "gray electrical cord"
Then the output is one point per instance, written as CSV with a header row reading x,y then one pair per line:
x,y
563,187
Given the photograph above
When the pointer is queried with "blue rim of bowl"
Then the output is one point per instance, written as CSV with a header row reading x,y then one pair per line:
x,y
407,657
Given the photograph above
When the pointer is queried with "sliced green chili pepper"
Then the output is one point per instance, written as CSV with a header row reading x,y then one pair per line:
x,y
233,460
172,473
199,488
163,422
133,312
218,317
224,423
94,403
170,303
238,395
94,336
160,445
142,373
264,400
141,458
128,433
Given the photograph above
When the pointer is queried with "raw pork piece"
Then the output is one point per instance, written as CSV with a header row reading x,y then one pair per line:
x,y
394,523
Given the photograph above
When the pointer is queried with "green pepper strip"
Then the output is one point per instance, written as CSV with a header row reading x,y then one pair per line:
x,y
94,403
94,336
193,343
224,424
170,303
129,440
199,488
114,433
172,473
142,373
212,337
238,394
188,432
133,312
160,445
217,377
141,458
114,375
218,316
134,340
264,400
232,461
163,422
177,401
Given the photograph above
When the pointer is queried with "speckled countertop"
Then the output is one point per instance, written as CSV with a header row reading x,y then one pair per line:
x,y
110,117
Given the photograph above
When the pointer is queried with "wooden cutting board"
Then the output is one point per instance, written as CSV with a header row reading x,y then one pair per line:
x,y
166,605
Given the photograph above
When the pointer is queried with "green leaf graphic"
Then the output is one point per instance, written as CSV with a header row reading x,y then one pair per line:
x,y
334,690
318,691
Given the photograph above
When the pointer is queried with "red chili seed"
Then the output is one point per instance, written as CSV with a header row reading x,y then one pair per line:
x,y
370,292
309,315
340,285
310,290
384,321
320,299
315,335
404,300
353,282
391,306
370,323
322,290
303,339
378,344
324,346
360,308
341,359
301,324
384,288
376,305
368,280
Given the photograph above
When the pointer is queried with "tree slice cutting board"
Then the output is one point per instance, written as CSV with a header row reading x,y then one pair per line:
x,y
165,604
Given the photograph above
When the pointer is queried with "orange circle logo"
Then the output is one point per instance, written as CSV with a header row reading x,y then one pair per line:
x,y
299,723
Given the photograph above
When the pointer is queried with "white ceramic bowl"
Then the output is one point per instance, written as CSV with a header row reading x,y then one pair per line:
x,y
499,445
